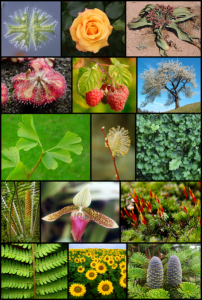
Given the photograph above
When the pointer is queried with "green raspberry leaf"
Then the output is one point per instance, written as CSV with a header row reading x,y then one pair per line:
x,y
88,80
120,74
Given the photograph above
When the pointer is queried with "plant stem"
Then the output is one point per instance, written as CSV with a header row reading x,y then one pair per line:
x,y
113,157
38,162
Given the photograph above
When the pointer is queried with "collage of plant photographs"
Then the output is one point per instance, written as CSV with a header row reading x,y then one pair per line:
x,y
100,149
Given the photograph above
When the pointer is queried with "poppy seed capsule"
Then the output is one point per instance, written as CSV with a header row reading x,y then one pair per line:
x,y
174,271
155,273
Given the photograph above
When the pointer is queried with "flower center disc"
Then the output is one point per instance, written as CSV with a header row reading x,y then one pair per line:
x,y
105,287
77,289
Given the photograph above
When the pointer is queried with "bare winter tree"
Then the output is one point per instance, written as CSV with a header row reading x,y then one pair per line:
x,y
171,77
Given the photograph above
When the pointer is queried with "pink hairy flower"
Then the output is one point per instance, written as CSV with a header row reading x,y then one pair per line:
x,y
40,85
4,94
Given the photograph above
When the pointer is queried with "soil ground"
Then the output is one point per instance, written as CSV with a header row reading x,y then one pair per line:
x,y
145,39
63,104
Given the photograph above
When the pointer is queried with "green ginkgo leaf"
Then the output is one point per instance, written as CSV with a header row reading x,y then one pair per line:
x,y
19,173
25,144
13,155
68,143
27,129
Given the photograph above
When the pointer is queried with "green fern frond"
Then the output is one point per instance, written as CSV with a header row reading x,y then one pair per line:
x,y
38,272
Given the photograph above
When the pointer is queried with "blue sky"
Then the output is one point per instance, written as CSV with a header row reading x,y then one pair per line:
x,y
158,104
106,246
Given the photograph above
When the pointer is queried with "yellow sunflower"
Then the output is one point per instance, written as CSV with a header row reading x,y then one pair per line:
x,y
122,281
91,274
106,258
93,264
77,289
76,260
123,271
114,266
80,269
117,258
110,262
122,265
101,268
82,259
88,254
105,287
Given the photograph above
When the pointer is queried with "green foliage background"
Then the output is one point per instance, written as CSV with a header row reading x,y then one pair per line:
x,y
190,259
51,129
115,11
168,147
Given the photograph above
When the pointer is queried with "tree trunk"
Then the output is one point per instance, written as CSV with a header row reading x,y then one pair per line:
x,y
177,105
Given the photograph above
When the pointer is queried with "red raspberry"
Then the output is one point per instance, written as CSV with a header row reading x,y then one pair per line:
x,y
94,97
117,99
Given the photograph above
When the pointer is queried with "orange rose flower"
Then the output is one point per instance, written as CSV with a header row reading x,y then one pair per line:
x,y
90,30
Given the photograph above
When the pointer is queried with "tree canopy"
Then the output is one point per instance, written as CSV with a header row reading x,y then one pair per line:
x,y
170,76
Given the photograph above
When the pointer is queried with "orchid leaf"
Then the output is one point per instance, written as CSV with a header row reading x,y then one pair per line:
x,y
99,218
65,210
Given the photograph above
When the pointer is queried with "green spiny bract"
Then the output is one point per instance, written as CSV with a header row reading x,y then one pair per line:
x,y
174,271
155,273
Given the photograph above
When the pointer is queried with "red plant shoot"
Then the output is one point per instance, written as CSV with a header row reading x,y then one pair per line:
x,y
142,201
127,213
135,199
122,215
